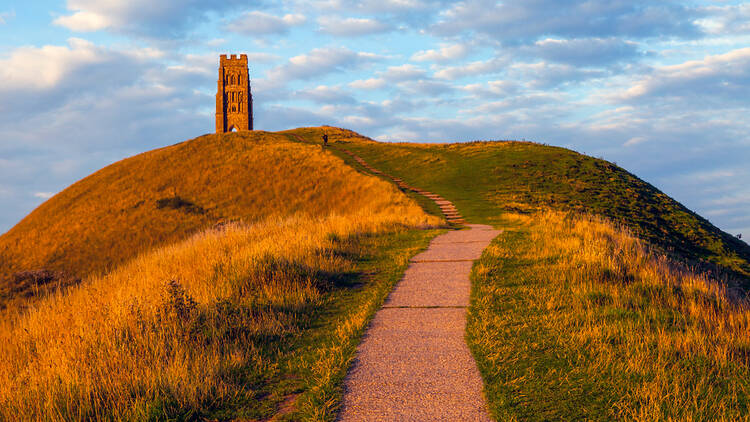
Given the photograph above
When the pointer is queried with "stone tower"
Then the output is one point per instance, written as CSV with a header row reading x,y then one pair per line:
x,y
234,101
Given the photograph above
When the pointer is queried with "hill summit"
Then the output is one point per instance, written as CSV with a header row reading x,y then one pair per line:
x,y
165,195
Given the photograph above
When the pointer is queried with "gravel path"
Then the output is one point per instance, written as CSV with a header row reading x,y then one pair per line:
x,y
413,363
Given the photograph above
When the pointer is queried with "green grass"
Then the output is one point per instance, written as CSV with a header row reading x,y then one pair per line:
x,y
596,327
531,372
486,179
579,322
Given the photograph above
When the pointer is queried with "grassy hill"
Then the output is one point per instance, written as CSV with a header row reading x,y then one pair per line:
x,y
247,320
584,309
486,179
163,196
576,311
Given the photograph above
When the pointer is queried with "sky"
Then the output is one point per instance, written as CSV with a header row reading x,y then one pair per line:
x,y
662,88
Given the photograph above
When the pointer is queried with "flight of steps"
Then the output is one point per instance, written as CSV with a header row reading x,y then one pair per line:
x,y
448,209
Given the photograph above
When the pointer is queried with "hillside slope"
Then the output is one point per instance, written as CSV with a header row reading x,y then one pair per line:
x,y
238,322
486,179
571,316
163,196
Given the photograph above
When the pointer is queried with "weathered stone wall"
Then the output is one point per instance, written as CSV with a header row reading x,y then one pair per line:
x,y
234,100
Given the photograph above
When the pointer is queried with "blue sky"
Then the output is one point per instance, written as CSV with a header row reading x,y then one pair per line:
x,y
660,88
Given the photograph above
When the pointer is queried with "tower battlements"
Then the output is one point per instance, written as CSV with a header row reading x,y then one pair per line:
x,y
232,59
234,100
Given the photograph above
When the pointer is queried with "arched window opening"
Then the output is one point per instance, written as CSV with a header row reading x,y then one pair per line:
x,y
233,129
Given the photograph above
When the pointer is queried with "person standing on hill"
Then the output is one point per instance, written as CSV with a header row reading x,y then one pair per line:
x,y
325,139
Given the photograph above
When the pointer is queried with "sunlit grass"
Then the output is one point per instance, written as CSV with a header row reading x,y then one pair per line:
x,y
254,317
166,195
184,329
574,318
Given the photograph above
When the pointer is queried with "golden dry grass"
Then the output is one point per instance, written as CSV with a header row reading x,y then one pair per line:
x,y
176,328
113,215
575,318
199,325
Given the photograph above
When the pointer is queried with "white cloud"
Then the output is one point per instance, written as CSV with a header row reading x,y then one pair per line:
x,y
635,141
327,94
44,195
723,20
148,18
350,27
376,6
724,75
544,75
83,21
319,61
490,66
492,89
372,83
447,52
514,22
403,72
260,23
584,51
45,67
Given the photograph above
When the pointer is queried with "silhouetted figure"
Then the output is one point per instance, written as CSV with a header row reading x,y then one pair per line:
x,y
325,139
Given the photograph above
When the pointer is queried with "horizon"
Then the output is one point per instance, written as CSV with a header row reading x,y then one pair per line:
x,y
659,90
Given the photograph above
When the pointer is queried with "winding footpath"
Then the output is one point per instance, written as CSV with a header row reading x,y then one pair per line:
x,y
413,363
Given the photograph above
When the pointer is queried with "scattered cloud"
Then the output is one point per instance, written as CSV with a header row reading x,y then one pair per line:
x,y
326,95
543,75
725,76
492,89
480,67
584,51
351,27
723,20
144,18
374,6
447,52
260,23
368,84
44,195
320,61
403,72
514,23
37,79
83,21
635,141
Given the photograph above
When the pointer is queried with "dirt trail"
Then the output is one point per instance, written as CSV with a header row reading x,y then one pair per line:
x,y
413,363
